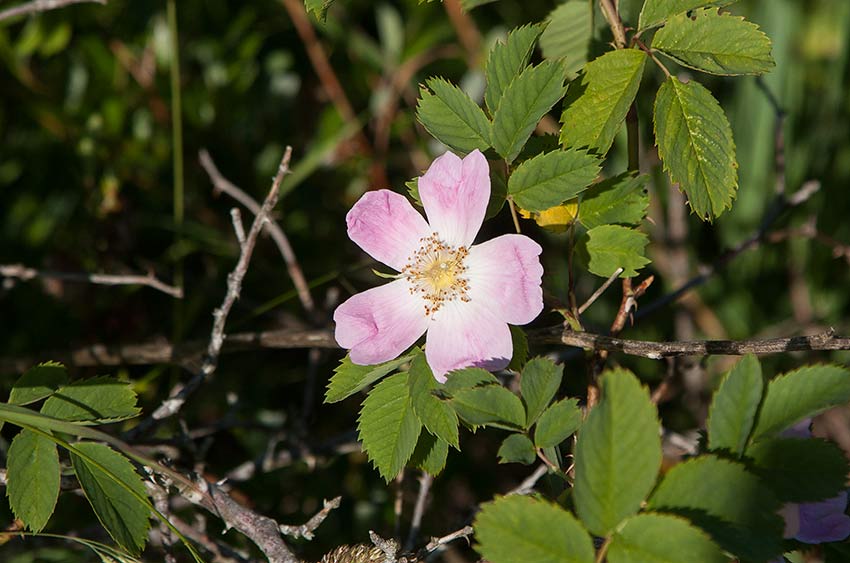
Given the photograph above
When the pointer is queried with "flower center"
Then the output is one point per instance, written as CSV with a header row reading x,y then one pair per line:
x,y
435,273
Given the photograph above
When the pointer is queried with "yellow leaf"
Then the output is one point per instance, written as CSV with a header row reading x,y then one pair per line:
x,y
555,219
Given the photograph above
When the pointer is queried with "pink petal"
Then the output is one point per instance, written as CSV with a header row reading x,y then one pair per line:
x,y
381,323
504,273
455,194
467,335
385,225
824,521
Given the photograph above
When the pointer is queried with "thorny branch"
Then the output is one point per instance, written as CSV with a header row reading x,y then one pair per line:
x,y
42,6
179,394
306,530
223,185
20,272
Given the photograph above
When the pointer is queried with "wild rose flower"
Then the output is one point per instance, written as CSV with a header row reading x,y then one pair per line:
x,y
815,522
462,296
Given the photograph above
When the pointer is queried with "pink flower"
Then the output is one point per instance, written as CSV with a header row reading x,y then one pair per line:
x,y
462,295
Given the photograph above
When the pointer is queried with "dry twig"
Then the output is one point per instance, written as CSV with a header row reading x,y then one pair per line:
x,y
42,6
23,273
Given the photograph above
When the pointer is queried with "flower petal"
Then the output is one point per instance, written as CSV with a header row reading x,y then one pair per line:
x,y
455,194
467,335
380,323
825,521
505,273
385,225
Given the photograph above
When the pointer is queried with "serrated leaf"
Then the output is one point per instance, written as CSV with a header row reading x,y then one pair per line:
x,y
349,378
519,343
123,515
437,416
801,394
506,60
715,43
524,102
612,246
568,33
468,377
618,454
550,179
319,8
430,454
660,538
734,406
517,528
557,423
656,12
517,448
696,146
725,500
388,427
539,382
32,478
37,383
487,405
96,400
621,200
597,102
452,117
800,469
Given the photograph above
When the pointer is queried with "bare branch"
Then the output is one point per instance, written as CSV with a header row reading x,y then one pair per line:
x,y
180,393
36,6
528,484
600,291
425,481
437,543
23,273
657,350
223,185
306,530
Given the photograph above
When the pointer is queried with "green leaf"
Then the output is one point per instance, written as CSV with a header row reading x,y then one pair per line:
x,y
319,8
618,454
801,394
438,417
621,200
656,12
519,343
525,101
568,33
468,377
734,406
517,448
32,478
660,538
452,117
490,404
725,500
96,400
597,102
506,60
552,178
430,454
349,378
388,427
557,423
37,383
540,380
612,246
517,529
695,143
800,469
715,43
125,517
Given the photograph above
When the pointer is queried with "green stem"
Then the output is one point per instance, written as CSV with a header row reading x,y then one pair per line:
x,y
177,161
633,138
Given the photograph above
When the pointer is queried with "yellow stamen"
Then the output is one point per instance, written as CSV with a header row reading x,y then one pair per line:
x,y
436,273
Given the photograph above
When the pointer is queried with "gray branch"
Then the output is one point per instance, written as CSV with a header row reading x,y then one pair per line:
x,y
42,6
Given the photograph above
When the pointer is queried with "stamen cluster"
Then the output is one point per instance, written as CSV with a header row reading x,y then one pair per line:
x,y
435,272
